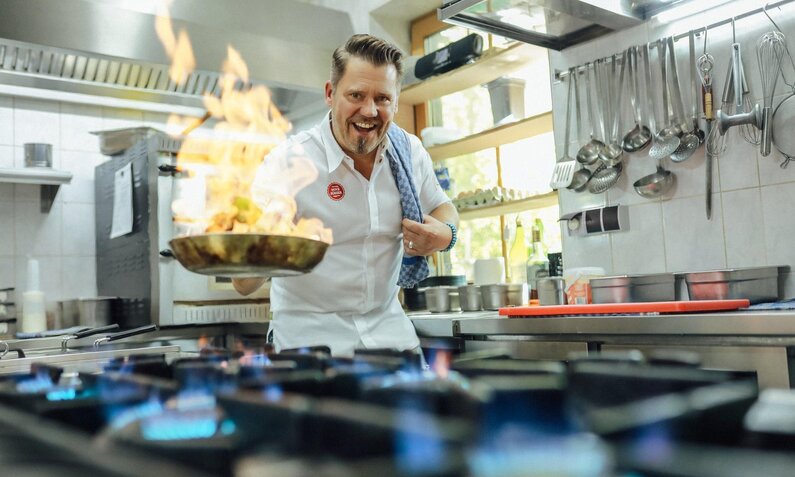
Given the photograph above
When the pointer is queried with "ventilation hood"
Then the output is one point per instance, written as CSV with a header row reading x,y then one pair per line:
x,y
86,50
553,24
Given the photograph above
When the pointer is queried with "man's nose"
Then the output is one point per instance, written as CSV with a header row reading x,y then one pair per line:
x,y
368,108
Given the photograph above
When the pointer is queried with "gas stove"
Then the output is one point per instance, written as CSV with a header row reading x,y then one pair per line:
x,y
302,412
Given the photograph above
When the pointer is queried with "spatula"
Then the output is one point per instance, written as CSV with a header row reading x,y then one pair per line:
x,y
566,165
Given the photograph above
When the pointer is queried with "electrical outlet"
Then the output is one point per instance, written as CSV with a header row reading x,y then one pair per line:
x,y
596,221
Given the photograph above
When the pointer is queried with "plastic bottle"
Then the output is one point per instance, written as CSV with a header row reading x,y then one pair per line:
x,y
517,257
537,264
34,315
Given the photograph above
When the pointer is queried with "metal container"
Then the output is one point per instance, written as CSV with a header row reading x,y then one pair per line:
x,y
518,294
495,296
551,291
757,284
441,299
89,312
38,155
634,288
470,298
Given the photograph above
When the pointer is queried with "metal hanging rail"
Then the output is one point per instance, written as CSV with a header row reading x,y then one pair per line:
x,y
561,74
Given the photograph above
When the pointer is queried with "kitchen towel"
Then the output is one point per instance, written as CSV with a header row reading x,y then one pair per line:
x,y
413,269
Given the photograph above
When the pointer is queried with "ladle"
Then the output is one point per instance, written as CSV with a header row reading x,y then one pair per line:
x,y
670,125
589,153
688,141
656,184
580,178
661,146
639,136
612,152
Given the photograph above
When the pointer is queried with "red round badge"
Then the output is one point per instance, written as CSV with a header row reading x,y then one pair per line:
x,y
335,191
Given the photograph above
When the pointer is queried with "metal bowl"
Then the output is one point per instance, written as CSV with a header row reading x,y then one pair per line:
x,y
248,255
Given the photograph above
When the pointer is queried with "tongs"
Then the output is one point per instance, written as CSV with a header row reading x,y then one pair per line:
x,y
85,333
124,334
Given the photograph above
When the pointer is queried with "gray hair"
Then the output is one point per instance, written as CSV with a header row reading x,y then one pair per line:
x,y
367,47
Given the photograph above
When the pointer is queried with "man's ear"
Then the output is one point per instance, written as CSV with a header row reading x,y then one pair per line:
x,y
329,92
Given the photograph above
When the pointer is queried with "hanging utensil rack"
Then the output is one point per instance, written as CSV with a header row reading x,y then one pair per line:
x,y
560,75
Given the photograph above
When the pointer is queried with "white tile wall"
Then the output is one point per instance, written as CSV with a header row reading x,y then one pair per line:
x,y
63,239
752,222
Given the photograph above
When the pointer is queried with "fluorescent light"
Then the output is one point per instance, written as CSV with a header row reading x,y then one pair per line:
x,y
687,9
107,101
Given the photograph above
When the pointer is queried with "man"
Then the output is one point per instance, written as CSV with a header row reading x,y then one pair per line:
x,y
350,300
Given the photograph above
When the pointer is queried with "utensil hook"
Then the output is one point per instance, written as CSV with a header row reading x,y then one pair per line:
x,y
734,32
706,30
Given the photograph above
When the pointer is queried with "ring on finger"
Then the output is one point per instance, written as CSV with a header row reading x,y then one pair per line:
x,y
411,244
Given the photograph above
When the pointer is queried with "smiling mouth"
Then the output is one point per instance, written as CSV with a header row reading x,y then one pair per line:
x,y
364,128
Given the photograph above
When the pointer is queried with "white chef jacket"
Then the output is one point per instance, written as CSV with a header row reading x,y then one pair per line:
x,y
350,299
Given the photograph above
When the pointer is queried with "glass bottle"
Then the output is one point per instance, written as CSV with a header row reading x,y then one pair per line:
x,y
517,257
537,263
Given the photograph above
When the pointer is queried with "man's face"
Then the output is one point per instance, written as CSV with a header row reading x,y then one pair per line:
x,y
362,106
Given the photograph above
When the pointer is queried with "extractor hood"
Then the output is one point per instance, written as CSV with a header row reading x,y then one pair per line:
x,y
553,24
106,52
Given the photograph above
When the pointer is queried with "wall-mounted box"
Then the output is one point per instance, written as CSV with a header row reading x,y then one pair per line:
x,y
596,221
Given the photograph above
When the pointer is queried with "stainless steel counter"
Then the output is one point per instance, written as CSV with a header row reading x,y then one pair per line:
x,y
759,341
769,327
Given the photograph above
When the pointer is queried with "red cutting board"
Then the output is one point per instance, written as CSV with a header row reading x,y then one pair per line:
x,y
626,308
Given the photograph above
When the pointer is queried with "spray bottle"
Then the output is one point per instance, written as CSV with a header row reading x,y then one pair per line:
x,y
34,316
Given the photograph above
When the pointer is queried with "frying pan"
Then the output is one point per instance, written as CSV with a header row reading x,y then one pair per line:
x,y
248,255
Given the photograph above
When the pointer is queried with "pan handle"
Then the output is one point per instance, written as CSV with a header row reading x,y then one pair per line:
x,y
94,331
126,334
85,333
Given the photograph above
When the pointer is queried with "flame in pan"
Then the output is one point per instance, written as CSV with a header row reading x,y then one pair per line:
x,y
217,196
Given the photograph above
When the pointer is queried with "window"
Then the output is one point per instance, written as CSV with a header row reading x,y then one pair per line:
x,y
525,165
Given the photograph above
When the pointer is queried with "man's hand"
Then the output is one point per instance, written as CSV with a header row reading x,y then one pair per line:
x,y
426,238
247,286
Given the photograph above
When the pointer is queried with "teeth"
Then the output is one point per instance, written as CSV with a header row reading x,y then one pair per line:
x,y
365,125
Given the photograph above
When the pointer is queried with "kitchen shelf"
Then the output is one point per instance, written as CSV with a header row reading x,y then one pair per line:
x,y
509,207
494,63
504,134
49,180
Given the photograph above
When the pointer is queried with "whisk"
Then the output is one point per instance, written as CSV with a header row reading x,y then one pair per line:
x,y
769,52
748,132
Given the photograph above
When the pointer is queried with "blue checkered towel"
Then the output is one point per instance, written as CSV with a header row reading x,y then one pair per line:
x,y
414,269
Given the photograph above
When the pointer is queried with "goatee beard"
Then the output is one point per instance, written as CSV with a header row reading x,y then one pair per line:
x,y
361,146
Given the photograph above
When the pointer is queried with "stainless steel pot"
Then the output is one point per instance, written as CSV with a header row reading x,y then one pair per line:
x,y
470,298
495,296
38,155
518,294
441,299
90,312
551,291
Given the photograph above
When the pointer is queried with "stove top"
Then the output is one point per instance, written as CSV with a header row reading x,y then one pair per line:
x,y
302,412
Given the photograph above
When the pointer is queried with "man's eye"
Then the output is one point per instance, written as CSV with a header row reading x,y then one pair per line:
x,y
384,99
356,95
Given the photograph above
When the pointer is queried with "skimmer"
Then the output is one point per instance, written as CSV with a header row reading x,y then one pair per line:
x,y
661,146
